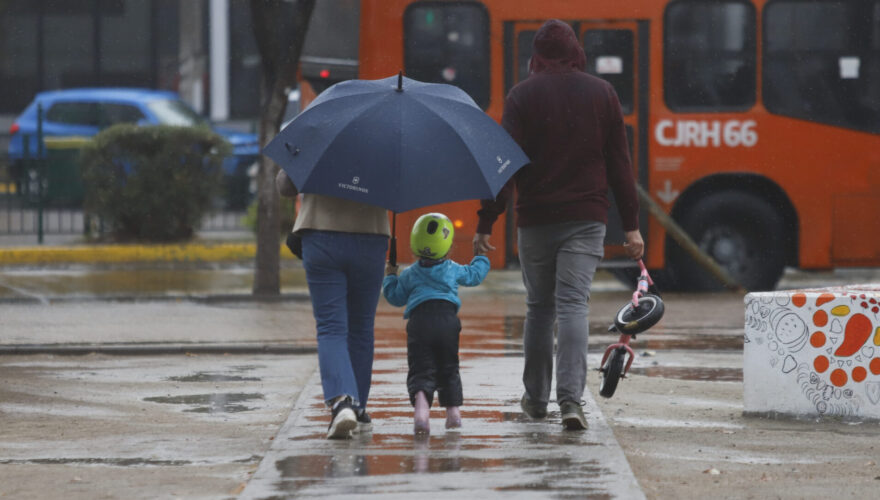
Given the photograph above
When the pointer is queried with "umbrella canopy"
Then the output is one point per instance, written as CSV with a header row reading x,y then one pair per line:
x,y
396,143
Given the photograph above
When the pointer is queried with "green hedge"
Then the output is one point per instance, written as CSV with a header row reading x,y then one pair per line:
x,y
153,183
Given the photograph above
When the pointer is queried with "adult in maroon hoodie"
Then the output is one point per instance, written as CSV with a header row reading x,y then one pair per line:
x,y
570,125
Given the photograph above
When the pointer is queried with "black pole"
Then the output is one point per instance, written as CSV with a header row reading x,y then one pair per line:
x,y
41,172
392,252
400,81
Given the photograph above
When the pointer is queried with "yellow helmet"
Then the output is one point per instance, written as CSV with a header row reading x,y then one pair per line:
x,y
431,236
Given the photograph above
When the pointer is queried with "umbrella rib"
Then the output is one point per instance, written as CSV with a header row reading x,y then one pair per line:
x,y
457,135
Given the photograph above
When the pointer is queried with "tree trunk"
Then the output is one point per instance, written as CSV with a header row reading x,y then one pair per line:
x,y
280,42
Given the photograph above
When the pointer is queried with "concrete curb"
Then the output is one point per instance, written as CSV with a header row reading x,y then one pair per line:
x,y
196,298
120,254
157,349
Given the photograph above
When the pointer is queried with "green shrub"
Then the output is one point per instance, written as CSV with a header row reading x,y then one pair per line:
x,y
153,183
287,215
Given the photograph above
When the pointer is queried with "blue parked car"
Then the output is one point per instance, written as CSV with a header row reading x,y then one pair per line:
x,y
85,112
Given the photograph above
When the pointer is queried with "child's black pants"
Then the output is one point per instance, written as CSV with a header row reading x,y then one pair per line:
x,y
432,352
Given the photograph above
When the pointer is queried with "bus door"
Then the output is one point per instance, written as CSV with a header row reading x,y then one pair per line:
x,y
614,54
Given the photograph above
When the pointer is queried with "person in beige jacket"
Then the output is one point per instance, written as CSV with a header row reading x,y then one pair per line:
x,y
344,244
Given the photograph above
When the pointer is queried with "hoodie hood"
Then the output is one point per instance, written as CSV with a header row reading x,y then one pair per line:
x,y
556,49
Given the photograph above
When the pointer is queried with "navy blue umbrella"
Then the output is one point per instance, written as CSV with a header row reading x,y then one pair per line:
x,y
396,143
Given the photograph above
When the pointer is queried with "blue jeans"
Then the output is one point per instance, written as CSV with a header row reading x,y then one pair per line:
x,y
344,272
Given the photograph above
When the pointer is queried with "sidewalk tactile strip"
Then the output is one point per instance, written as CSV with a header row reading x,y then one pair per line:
x,y
499,452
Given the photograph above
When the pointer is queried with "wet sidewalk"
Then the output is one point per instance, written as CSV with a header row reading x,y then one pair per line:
x,y
498,453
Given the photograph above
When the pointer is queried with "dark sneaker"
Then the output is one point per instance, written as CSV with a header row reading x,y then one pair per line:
x,y
572,416
364,423
363,417
533,409
343,421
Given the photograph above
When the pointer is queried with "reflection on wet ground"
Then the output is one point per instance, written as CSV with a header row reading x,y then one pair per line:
x,y
115,462
210,403
218,377
497,449
691,373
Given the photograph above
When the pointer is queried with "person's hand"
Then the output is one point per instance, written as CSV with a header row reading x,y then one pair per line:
x,y
634,246
389,269
481,244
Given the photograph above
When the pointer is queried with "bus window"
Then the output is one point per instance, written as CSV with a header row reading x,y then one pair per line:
x,y
822,62
610,57
447,42
709,55
524,43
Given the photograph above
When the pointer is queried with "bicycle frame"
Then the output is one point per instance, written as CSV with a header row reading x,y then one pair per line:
x,y
623,342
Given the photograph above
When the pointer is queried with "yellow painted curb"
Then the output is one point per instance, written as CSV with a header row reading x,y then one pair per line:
x,y
113,254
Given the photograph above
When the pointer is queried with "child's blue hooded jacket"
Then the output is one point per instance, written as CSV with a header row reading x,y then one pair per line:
x,y
418,283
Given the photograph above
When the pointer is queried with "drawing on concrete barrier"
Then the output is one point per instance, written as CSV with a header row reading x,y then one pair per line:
x,y
832,339
828,400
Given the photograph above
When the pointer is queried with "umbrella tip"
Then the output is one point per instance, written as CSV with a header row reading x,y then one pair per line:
x,y
400,81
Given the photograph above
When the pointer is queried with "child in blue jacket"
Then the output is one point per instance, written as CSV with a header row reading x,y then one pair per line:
x,y
429,289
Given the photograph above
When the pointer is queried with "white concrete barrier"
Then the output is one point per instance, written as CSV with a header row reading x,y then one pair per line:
x,y
813,352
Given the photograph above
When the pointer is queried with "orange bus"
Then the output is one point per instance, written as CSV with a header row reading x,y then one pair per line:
x,y
754,124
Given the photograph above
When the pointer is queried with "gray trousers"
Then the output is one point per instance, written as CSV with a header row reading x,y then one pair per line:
x,y
558,264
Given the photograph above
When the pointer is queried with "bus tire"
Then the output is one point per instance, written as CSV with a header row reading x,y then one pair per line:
x,y
741,231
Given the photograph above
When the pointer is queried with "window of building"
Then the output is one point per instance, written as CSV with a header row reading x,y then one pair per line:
x,y
709,55
125,57
69,56
19,44
74,113
244,62
449,43
822,61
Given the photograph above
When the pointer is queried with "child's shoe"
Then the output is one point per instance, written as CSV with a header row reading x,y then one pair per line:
x,y
422,415
453,417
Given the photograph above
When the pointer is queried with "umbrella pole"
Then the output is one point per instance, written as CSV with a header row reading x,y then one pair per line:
x,y
392,253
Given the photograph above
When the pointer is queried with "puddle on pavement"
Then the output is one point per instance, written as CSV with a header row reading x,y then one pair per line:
x,y
302,470
213,377
676,341
210,403
690,373
116,462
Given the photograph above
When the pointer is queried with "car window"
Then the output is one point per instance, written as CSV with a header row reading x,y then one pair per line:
x,y
111,114
172,112
74,113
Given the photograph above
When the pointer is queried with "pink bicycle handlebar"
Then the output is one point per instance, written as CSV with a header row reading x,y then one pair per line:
x,y
642,287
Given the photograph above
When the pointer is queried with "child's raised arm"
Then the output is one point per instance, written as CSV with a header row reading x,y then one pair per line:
x,y
474,273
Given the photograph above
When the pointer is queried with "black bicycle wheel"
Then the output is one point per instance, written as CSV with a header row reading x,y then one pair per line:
x,y
632,320
611,373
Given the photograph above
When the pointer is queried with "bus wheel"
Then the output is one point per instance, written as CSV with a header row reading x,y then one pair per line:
x,y
742,232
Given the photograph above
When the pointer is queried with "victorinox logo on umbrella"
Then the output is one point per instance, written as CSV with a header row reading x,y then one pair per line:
x,y
354,185
504,164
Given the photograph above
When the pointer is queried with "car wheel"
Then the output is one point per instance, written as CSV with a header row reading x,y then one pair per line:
x,y
742,232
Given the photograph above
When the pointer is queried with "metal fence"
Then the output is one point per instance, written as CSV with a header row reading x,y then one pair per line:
x,y
31,205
